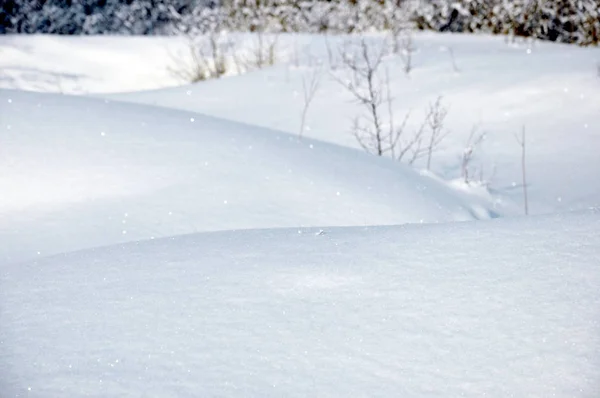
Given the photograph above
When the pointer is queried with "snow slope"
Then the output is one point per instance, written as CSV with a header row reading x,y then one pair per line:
x,y
90,64
80,172
293,303
492,308
551,89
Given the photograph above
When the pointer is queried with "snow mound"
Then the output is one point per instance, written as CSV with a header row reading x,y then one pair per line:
x,y
499,308
86,64
551,90
80,172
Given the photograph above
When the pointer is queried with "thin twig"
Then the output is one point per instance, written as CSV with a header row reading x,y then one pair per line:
x,y
522,143
310,86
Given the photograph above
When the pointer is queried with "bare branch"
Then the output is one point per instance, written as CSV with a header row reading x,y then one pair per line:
x,y
359,134
475,139
264,52
454,66
522,143
331,58
392,134
371,92
206,58
415,145
406,51
310,86
435,120
363,64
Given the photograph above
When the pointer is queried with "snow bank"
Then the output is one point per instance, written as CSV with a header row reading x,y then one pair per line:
x,y
496,309
83,65
550,89
80,172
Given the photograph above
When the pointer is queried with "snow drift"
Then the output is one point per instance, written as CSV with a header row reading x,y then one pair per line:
x,y
296,307
491,308
80,172
550,90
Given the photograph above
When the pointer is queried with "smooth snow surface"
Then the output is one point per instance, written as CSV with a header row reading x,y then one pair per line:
x,y
80,173
83,65
497,309
551,90
302,283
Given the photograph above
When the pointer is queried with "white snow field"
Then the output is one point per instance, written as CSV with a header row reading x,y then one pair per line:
x,y
79,172
552,90
503,308
184,242
80,65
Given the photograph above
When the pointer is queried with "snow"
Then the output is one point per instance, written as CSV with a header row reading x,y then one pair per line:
x,y
488,308
550,89
83,172
90,64
183,241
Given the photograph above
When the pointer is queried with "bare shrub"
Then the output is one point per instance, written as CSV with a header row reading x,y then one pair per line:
x,y
366,87
212,55
264,51
372,131
436,117
206,58
472,145
402,148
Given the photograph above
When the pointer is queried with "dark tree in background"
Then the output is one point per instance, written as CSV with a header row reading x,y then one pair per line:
x,y
567,21
9,9
72,17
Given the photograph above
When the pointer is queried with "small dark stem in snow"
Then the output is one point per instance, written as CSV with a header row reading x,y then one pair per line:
x,y
521,142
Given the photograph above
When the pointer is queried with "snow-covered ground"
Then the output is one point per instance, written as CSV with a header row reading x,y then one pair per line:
x,y
82,172
83,65
550,89
302,282
497,309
